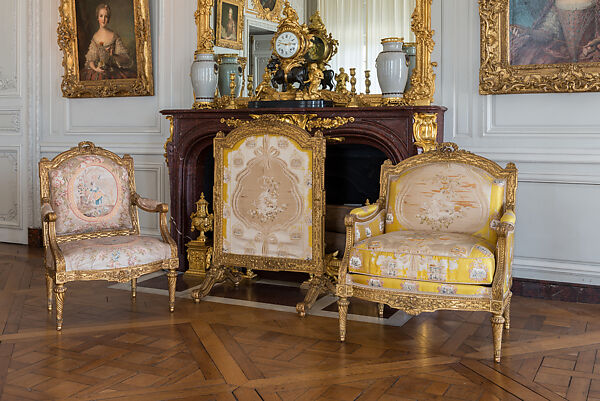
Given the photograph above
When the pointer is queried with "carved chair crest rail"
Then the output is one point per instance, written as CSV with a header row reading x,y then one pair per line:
x,y
90,224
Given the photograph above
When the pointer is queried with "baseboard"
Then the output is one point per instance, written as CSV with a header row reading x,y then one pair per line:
x,y
568,292
561,271
34,237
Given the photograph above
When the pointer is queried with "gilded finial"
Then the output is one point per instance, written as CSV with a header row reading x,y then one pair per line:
x,y
201,219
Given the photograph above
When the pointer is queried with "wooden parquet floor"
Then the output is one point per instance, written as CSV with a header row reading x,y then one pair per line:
x,y
114,349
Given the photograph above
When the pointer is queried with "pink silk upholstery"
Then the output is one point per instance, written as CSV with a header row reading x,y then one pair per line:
x,y
90,193
113,252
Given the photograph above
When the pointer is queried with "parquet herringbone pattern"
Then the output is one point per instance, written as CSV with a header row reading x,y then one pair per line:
x,y
114,349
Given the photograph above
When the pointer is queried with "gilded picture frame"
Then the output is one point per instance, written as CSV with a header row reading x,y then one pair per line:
x,y
268,9
229,26
107,58
522,53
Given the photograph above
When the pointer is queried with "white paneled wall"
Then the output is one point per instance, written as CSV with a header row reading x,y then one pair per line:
x,y
553,138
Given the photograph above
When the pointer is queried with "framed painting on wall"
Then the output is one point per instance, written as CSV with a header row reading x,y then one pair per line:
x,y
532,46
106,48
230,24
268,9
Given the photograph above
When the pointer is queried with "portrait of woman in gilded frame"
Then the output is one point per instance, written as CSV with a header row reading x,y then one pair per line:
x,y
106,48
539,46
230,23
554,31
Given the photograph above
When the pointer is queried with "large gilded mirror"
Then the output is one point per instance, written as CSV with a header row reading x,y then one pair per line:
x,y
410,19
372,21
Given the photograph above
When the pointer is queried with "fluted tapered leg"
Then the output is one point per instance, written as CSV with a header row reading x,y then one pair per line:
x,y
507,316
343,310
133,288
172,277
497,326
49,290
380,309
59,292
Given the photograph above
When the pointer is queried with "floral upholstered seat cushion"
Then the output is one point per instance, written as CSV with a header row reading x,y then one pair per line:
x,y
425,255
90,193
449,197
267,198
113,252
416,286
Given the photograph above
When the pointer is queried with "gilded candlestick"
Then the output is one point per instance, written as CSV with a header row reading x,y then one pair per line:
x,y
353,81
250,87
367,82
242,61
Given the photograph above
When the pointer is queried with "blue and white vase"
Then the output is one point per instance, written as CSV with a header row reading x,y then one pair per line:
x,y
392,70
204,74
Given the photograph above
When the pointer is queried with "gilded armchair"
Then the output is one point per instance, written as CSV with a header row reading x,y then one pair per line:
x,y
90,224
439,237
268,204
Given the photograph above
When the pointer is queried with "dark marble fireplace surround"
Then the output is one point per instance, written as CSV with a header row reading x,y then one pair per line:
x,y
351,170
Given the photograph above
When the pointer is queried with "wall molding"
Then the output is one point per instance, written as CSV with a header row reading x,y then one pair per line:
x,y
10,122
564,271
12,216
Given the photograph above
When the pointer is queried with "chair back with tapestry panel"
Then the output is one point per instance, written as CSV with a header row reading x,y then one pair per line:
x,y
440,236
90,223
268,202
90,190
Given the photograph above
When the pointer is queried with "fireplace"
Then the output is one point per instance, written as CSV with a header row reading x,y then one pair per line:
x,y
351,169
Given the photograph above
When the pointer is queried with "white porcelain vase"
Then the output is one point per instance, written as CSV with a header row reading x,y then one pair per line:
x,y
205,76
392,70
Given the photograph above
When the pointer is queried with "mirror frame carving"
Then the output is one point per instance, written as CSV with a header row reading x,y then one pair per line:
x,y
422,82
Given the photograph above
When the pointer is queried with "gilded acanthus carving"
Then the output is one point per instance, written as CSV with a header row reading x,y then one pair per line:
x,y
308,122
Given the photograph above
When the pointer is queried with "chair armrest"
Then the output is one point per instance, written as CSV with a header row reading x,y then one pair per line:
x,y
149,205
505,228
49,236
367,221
47,212
363,222
506,223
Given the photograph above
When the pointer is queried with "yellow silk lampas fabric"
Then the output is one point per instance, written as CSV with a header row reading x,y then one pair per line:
x,y
267,198
421,255
420,286
371,227
449,197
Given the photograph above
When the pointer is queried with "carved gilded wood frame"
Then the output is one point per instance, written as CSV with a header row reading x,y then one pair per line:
x,y
236,42
74,87
422,82
268,14
316,145
498,76
497,303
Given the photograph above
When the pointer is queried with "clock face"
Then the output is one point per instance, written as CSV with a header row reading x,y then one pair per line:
x,y
287,44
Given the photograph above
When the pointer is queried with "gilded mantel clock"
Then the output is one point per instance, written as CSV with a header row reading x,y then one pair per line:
x,y
291,41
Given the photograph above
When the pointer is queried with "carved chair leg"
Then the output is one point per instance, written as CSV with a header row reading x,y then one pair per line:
x,y
316,286
234,275
49,290
497,326
59,292
343,311
380,309
172,277
214,275
507,316
133,288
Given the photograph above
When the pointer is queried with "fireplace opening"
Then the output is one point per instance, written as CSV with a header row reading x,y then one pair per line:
x,y
351,177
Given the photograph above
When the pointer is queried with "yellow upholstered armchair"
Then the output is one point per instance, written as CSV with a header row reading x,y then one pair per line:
x,y
90,224
268,204
439,237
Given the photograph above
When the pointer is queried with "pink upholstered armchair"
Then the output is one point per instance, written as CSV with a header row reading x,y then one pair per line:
x,y
91,227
